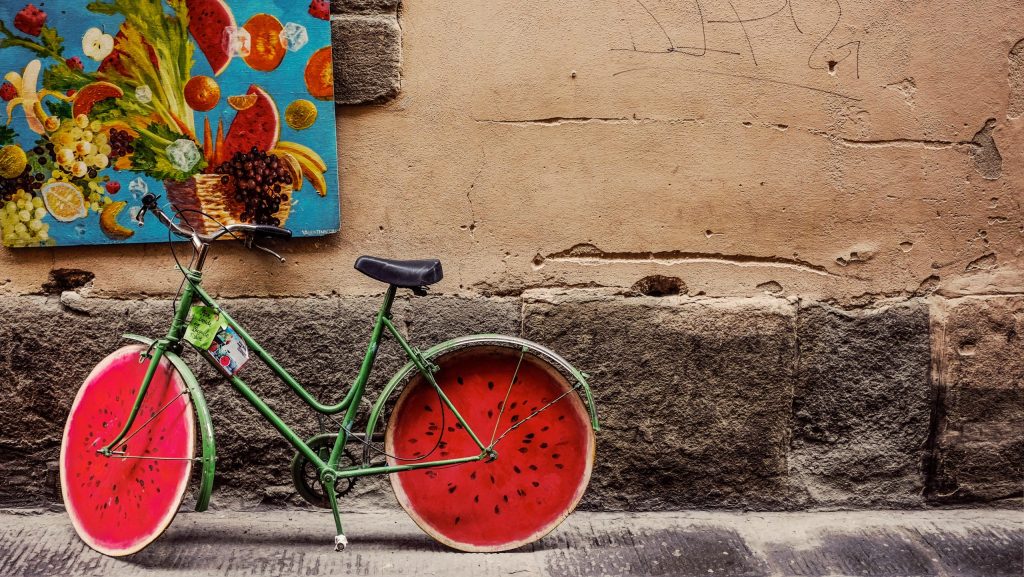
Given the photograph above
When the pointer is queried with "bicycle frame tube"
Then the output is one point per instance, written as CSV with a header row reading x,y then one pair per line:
x,y
193,291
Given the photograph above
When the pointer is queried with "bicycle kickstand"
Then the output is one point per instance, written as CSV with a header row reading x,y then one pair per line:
x,y
340,541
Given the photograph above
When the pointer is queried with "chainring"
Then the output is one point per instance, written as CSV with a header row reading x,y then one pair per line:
x,y
307,479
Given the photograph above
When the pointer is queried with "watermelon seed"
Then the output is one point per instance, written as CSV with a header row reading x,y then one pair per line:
x,y
543,445
497,511
451,488
500,403
476,499
515,418
412,441
114,488
492,479
451,429
527,441
505,497
513,405
457,519
458,425
117,500
490,385
536,484
559,466
521,492
533,467
490,413
555,455
516,469
459,380
429,433
473,475
561,417
428,409
522,450
530,435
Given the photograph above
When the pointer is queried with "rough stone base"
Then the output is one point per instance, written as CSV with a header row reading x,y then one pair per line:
x,y
761,403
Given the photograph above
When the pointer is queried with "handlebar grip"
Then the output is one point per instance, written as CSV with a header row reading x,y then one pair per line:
x,y
272,231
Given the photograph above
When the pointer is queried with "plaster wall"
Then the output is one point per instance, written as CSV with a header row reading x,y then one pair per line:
x,y
839,151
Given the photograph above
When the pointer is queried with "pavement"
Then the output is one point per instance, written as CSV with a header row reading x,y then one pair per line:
x,y
940,543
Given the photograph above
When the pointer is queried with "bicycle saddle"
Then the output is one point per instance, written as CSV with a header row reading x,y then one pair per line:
x,y
401,273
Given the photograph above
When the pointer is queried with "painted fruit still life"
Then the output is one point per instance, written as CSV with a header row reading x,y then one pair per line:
x,y
223,108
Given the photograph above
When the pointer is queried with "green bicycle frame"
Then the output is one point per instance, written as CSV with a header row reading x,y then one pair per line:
x,y
193,292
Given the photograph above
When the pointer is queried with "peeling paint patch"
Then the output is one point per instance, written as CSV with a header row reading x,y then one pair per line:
x,y
657,285
906,88
1015,106
588,254
66,279
986,262
987,160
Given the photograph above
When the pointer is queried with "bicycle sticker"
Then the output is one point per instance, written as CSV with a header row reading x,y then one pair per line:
x,y
229,350
203,327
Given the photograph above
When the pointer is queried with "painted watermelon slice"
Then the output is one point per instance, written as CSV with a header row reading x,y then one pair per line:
x,y
258,125
543,466
120,504
207,20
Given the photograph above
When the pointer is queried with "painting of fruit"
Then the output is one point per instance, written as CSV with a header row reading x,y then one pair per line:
x,y
222,107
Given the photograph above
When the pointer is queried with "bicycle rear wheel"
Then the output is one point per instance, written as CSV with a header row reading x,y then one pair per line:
x,y
544,441
120,504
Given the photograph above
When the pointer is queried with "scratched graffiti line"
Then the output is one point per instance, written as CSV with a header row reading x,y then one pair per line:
x,y
786,10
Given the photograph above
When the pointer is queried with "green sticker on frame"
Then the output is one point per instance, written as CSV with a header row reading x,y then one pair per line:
x,y
203,327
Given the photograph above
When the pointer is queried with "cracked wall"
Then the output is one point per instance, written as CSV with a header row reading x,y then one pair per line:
x,y
741,139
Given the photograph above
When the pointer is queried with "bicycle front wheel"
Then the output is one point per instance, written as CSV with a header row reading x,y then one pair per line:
x,y
121,503
541,432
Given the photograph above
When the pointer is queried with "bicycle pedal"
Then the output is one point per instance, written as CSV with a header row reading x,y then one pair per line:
x,y
340,542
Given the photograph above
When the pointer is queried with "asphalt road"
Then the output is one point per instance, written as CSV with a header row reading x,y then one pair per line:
x,y
960,543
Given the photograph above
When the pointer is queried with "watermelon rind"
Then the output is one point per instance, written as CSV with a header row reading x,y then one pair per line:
x,y
179,492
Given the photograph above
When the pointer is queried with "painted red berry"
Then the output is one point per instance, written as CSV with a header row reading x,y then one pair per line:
x,y
113,187
8,91
74,63
71,92
320,9
30,20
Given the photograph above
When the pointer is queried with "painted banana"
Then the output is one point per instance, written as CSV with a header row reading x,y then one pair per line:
x,y
309,163
300,150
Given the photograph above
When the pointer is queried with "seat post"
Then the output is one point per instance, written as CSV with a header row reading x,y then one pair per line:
x,y
389,299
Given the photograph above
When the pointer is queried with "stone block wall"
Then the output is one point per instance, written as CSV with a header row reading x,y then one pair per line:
x,y
759,403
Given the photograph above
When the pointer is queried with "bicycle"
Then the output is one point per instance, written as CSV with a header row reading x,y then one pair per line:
x,y
123,484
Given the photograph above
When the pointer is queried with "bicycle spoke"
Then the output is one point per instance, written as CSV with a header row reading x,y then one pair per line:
x,y
534,414
501,410
151,419
124,456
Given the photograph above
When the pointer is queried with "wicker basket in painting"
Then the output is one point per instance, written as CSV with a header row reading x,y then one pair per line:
x,y
206,193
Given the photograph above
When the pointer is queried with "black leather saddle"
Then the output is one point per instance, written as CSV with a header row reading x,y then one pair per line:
x,y
401,273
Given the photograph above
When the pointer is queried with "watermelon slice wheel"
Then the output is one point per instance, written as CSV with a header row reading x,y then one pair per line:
x,y
122,503
541,432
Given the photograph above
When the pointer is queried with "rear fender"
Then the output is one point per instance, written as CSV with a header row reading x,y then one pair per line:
x,y
514,342
205,424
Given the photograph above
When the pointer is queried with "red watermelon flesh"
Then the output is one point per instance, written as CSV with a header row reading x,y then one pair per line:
x,y
259,126
207,20
120,505
542,468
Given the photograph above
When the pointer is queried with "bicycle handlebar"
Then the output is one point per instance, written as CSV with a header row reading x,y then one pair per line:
x,y
202,242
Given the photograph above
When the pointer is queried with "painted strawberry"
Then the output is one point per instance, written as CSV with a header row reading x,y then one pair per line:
x,y
113,187
30,20
8,91
74,63
320,9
